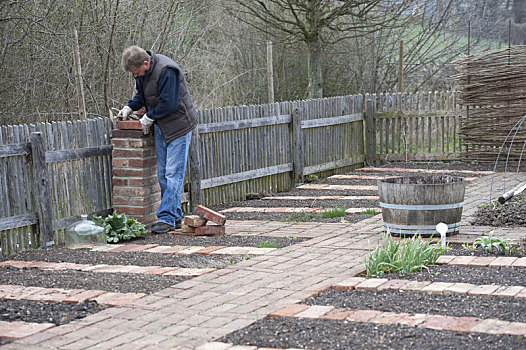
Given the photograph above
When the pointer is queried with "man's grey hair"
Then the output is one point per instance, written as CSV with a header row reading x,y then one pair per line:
x,y
133,56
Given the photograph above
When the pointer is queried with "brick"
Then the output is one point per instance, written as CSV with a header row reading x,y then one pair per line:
x,y
491,326
437,322
371,284
115,299
363,315
520,262
459,288
129,125
18,329
215,346
436,287
507,291
515,328
289,311
444,259
412,320
522,294
389,317
415,286
208,250
482,261
503,261
194,220
462,260
210,230
83,295
393,284
337,314
315,311
211,215
187,228
484,290
161,270
349,283
462,324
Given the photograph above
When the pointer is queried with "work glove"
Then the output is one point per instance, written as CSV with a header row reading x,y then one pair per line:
x,y
146,123
124,113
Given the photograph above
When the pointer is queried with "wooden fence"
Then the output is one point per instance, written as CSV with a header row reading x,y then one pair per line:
x,y
414,127
50,173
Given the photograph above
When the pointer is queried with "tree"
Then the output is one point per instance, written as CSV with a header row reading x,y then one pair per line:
x,y
318,23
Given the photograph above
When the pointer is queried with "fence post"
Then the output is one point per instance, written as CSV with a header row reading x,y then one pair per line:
x,y
370,134
195,171
41,175
298,150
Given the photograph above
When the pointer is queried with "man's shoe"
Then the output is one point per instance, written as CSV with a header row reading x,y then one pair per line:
x,y
178,224
162,227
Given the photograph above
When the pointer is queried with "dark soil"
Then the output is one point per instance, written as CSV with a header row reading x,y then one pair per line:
x,y
456,250
507,309
477,275
85,256
41,312
510,214
205,241
71,279
323,334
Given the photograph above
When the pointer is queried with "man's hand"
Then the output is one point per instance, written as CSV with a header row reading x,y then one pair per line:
x,y
146,123
124,113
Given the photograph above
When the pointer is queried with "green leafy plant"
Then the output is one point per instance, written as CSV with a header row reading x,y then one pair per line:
x,y
310,178
370,211
333,213
119,228
396,256
300,217
267,244
490,244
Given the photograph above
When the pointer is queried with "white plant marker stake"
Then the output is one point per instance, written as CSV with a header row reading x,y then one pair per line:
x,y
442,229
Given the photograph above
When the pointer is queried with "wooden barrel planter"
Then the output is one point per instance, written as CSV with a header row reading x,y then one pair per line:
x,y
416,204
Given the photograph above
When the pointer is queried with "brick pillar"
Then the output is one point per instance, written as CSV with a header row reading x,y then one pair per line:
x,y
136,191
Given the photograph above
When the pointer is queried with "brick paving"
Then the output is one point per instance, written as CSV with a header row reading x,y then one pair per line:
x,y
194,313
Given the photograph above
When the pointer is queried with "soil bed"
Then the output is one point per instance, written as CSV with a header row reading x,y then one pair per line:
x,y
71,279
508,276
228,241
283,333
507,309
456,250
42,311
510,214
85,256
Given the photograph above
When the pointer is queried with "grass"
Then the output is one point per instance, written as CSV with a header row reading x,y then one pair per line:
x,y
333,213
396,256
267,244
370,211
325,213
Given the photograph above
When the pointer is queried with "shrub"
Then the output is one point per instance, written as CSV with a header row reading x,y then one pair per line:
x,y
119,228
401,257
490,243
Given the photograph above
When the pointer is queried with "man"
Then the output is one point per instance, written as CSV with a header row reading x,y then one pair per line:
x,y
162,91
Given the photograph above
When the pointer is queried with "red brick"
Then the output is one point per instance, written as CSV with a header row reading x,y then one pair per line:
x,y
18,329
349,283
393,284
412,320
146,181
370,284
520,262
185,228
119,162
437,322
119,143
491,326
482,261
459,288
515,328
211,215
484,290
208,250
337,314
507,291
129,125
444,259
289,311
462,324
437,287
194,220
363,315
415,286
389,317
210,230
119,181
83,295
503,261
462,260
315,311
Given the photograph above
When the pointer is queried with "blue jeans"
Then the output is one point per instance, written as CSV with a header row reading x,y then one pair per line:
x,y
171,165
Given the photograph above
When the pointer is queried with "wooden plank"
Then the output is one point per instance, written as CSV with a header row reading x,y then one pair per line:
x,y
243,124
370,132
246,175
21,175
19,149
12,222
42,187
299,147
344,119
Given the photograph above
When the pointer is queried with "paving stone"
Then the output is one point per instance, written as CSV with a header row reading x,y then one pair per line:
x,y
520,262
507,291
389,317
363,315
289,311
484,290
444,259
462,260
462,324
349,283
459,288
503,261
491,326
482,261
515,328
436,287
215,346
315,311
337,314
437,322
370,284
412,320
19,329
415,286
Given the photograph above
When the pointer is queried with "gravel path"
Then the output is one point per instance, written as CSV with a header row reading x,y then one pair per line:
x,y
322,334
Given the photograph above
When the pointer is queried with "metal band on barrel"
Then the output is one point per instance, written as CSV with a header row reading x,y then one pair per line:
x,y
412,229
422,207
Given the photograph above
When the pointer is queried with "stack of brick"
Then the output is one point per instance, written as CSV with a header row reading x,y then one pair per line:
x,y
206,223
136,191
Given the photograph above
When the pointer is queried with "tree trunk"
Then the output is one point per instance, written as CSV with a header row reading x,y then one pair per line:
x,y
315,69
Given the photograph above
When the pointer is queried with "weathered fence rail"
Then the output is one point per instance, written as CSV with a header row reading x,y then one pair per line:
x,y
50,173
